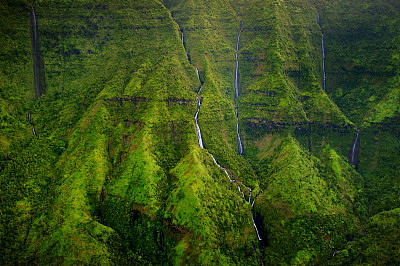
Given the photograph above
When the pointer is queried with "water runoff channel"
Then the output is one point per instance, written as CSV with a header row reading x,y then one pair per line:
x,y
240,147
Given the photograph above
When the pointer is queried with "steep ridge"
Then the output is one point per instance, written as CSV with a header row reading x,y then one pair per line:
x,y
301,201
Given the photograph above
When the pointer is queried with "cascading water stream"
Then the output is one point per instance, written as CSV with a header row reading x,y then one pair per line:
x,y
187,56
196,120
255,227
200,140
323,51
36,63
240,146
323,61
226,171
353,149
35,42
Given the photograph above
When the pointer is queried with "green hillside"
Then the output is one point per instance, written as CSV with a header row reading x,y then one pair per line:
x,y
100,161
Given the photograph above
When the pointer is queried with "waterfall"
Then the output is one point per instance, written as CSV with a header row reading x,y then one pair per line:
x,y
199,137
323,61
237,63
242,193
36,63
33,130
353,149
323,51
255,227
196,121
187,56
249,194
198,75
252,216
161,240
226,171
182,40
240,146
196,117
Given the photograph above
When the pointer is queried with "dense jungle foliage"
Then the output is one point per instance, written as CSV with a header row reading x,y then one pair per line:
x,y
99,156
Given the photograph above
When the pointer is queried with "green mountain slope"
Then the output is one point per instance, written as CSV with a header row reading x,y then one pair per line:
x,y
105,167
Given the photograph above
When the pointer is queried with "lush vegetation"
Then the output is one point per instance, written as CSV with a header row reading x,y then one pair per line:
x,y
105,168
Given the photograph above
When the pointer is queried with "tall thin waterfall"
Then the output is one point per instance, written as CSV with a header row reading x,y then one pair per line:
x,y
323,51
196,117
237,63
200,139
187,56
255,227
240,146
323,61
35,43
353,155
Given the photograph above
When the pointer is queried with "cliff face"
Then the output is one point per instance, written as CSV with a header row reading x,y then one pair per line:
x,y
114,172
